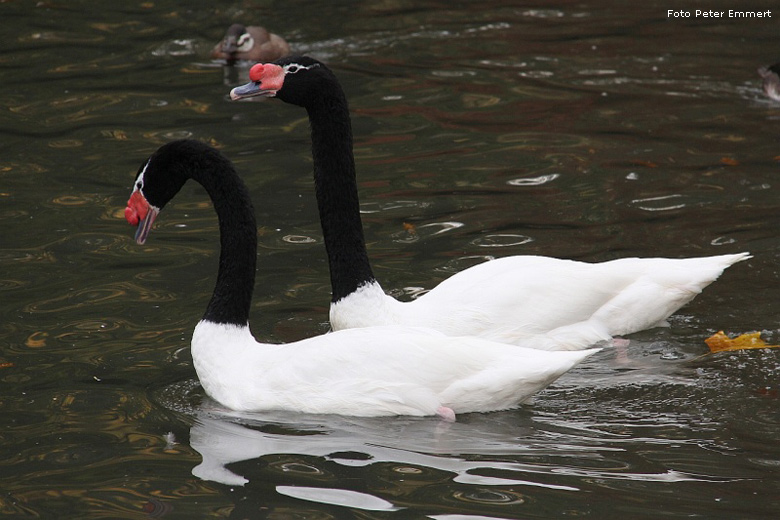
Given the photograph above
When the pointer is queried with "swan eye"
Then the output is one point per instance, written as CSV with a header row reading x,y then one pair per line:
x,y
292,68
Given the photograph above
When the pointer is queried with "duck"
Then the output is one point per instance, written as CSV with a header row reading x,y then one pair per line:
x,y
540,302
771,80
371,371
252,43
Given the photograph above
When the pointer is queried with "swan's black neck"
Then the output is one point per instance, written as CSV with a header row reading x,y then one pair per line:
x,y
337,194
232,296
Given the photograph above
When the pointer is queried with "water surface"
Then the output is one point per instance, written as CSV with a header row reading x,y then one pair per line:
x,y
589,131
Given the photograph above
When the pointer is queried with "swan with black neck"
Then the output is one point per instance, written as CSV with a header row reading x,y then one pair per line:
x,y
373,371
547,303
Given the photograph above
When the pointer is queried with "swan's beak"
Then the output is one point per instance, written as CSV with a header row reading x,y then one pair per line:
x,y
145,226
251,89
266,80
142,214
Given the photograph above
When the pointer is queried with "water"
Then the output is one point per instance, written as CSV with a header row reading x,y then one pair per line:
x,y
581,130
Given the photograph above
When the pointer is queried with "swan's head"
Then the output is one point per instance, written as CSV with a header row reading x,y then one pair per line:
x,y
299,80
237,40
159,179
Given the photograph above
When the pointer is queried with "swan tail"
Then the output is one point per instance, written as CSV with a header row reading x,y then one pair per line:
x,y
511,382
655,296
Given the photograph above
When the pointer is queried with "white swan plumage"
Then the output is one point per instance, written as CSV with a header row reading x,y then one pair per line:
x,y
542,302
587,304
373,371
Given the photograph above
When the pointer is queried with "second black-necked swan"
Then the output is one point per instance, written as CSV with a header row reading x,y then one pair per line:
x,y
544,302
373,371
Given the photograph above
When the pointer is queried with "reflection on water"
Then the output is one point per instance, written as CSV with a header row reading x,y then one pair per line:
x,y
533,181
222,442
481,130
484,463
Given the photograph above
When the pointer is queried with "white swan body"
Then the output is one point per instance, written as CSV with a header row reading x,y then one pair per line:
x,y
535,301
371,371
543,302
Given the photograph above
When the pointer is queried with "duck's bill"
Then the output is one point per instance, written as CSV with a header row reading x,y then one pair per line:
x,y
251,89
142,214
229,46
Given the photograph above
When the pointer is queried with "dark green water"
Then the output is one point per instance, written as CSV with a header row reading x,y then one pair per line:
x,y
587,130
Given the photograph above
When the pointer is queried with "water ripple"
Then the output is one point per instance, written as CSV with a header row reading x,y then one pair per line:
x,y
413,233
182,47
489,497
502,240
533,141
377,207
722,241
534,181
662,203
299,239
126,291
7,284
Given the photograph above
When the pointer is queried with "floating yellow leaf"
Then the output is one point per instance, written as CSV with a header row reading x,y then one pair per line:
x,y
37,339
119,135
719,342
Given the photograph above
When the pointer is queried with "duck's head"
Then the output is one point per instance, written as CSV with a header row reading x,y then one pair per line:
x,y
299,80
159,179
771,83
237,40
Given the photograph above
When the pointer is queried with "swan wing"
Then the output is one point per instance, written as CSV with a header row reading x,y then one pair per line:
x,y
551,303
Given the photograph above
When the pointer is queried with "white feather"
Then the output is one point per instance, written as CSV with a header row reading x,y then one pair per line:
x,y
371,371
543,302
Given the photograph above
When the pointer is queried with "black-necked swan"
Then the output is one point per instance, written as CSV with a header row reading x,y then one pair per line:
x,y
544,302
253,43
373,371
